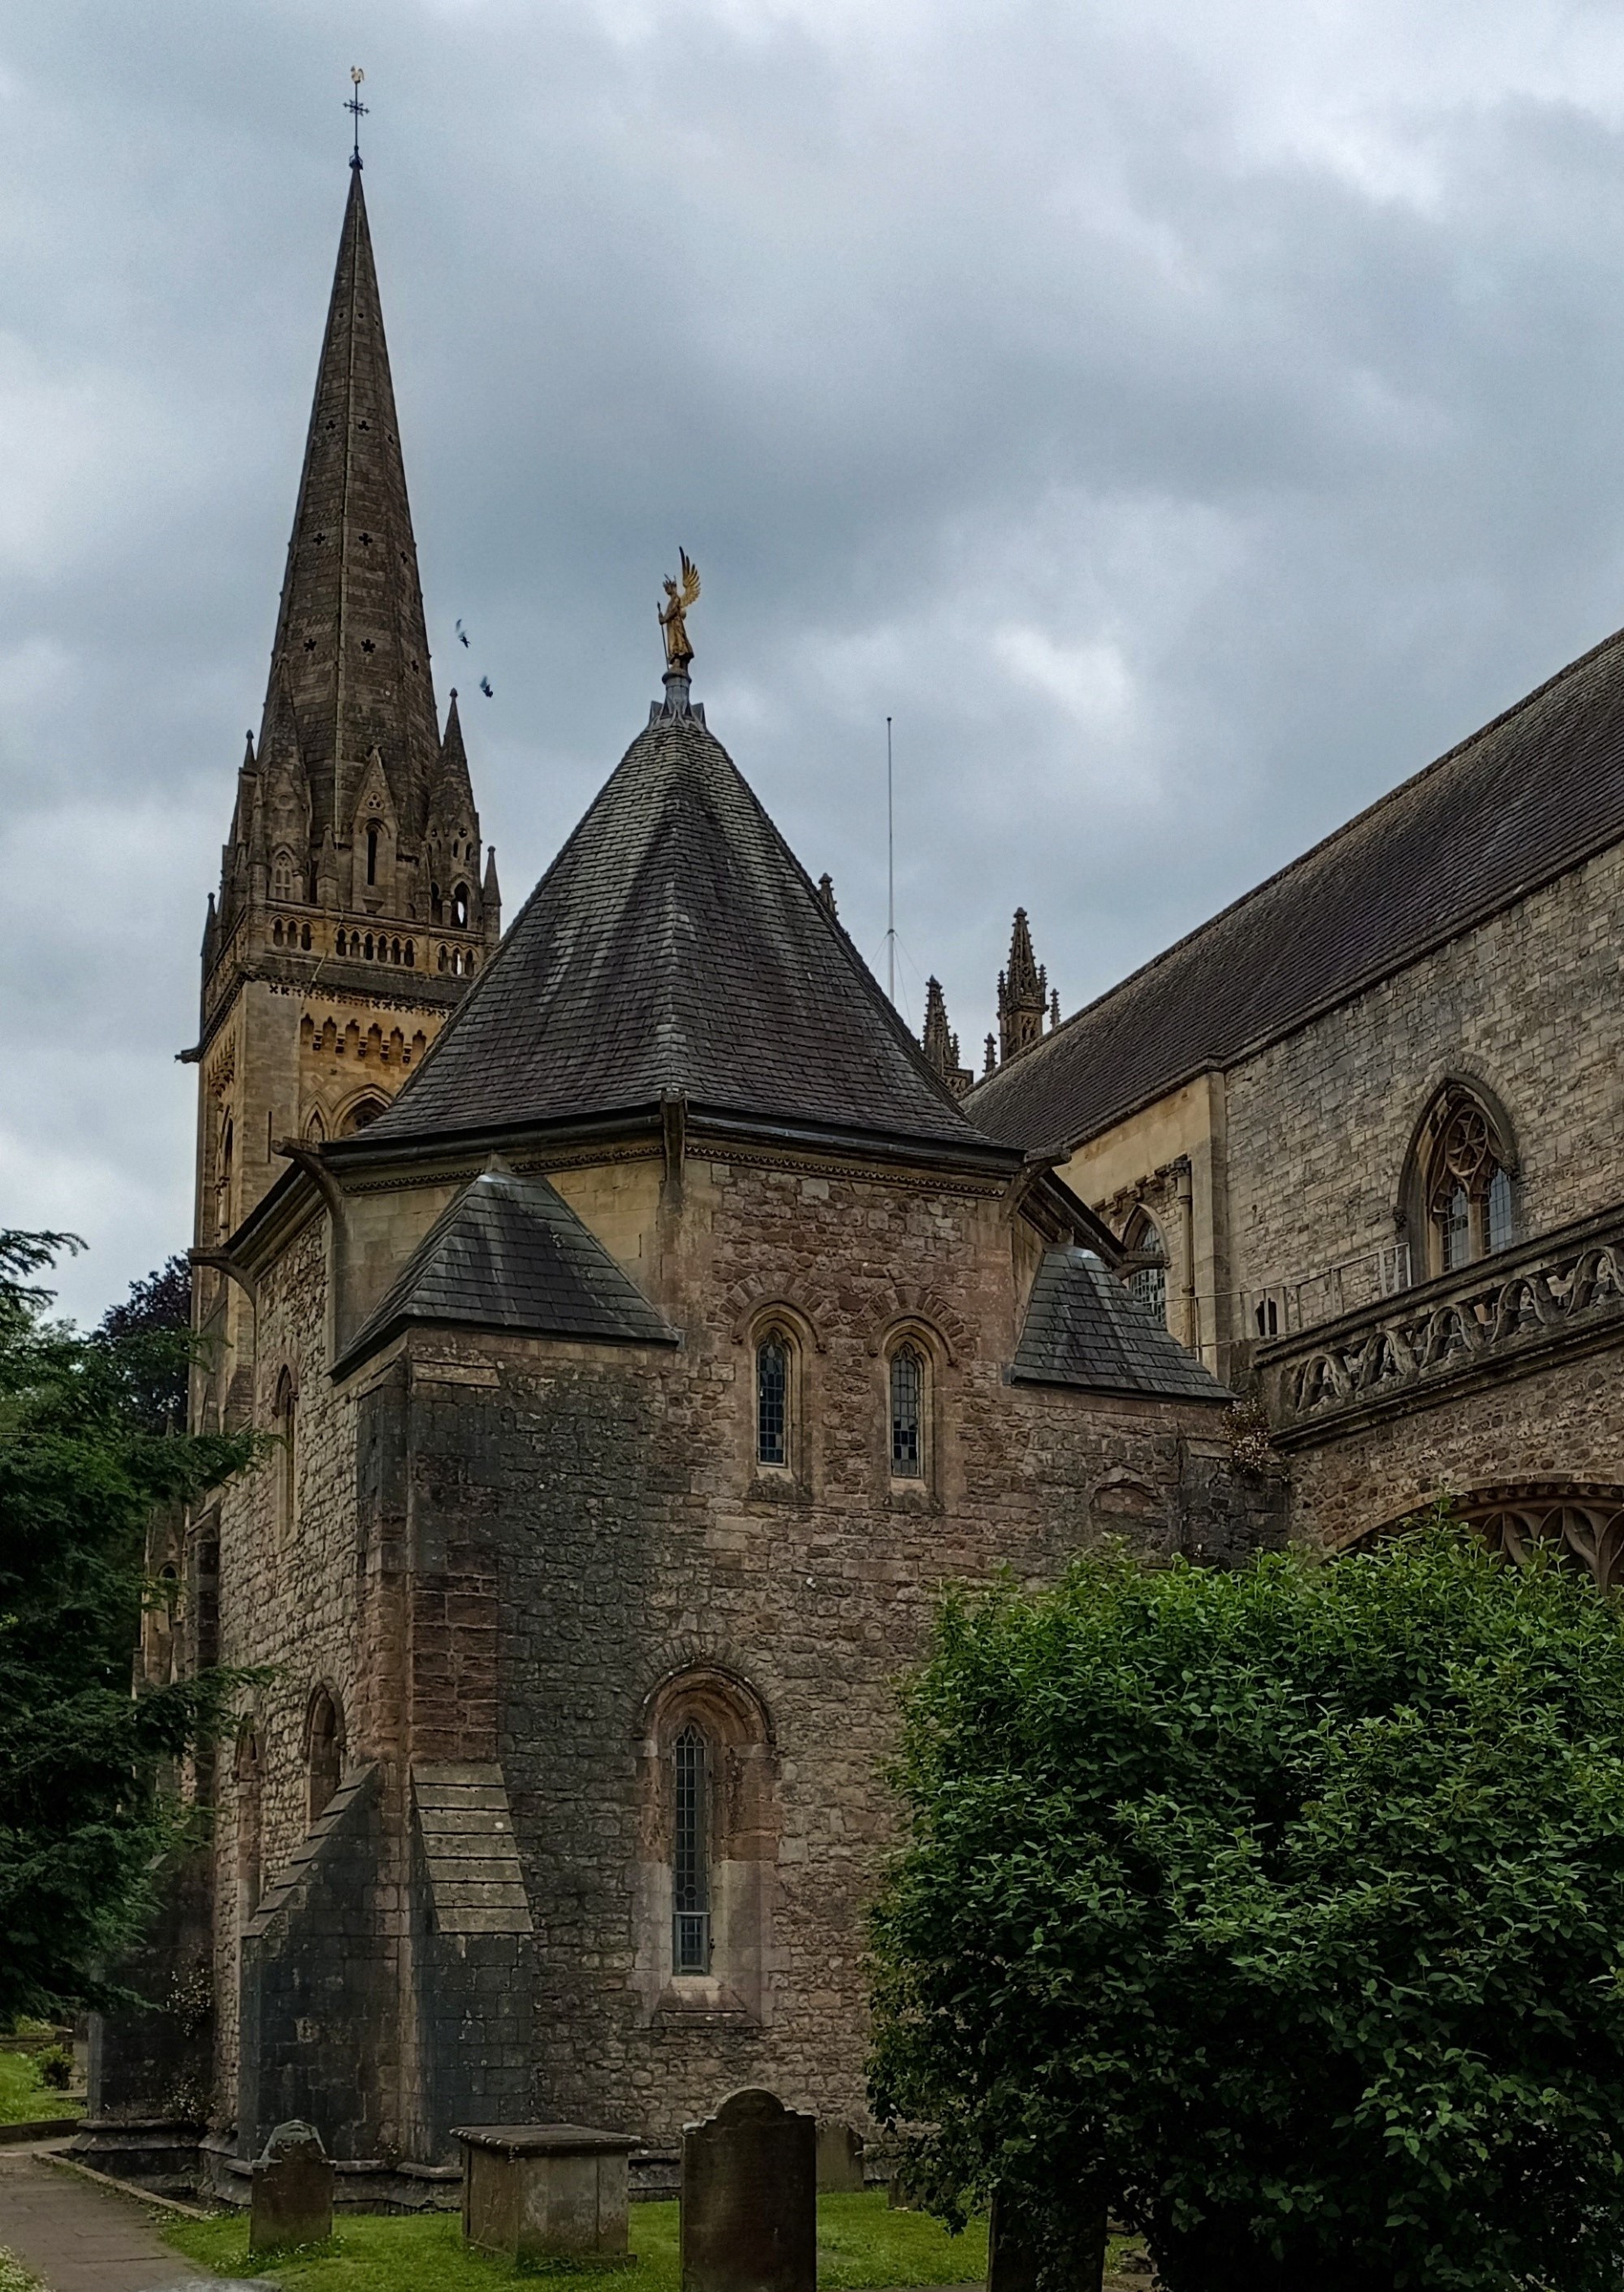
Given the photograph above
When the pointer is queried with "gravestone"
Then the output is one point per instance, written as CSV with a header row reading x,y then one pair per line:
x,y
1012,2259
546,2192
290,2191
840,2158
750,2198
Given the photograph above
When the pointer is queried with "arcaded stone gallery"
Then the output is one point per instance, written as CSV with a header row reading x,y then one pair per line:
x,y
650,1327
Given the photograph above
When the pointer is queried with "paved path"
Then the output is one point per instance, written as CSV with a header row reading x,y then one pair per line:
x,y
82,2239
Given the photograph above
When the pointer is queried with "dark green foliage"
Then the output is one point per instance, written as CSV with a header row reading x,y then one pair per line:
x,y
55,2066
1282,1910
158,1307
82,1466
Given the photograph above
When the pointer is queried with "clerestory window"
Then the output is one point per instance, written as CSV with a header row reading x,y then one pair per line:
x,y
1458,1187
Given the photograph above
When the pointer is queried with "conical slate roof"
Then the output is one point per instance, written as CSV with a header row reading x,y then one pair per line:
x,y
351,642
509,1253
677,947
1085,1328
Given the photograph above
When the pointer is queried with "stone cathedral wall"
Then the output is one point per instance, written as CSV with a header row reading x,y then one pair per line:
x,y
587,1524
1318,1125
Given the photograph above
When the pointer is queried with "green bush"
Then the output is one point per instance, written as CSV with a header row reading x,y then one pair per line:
x,y
1282,1912
55,2066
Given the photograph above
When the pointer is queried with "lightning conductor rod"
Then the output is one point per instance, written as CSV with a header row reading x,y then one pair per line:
x,y
891,878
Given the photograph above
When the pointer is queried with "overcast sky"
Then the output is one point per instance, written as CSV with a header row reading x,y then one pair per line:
x,y
1184,420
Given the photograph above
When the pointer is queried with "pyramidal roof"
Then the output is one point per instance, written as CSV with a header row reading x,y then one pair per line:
x,y
351,649
509,1253
676,946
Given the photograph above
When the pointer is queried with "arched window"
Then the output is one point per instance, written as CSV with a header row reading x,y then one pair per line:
x,y
772,1367
1457,1198
284,1425
459,907
372,857
282,876
249,1797
364,1110
709,1826
908,1413
224,1176
437,905
1147,1276
324,1750
691,1854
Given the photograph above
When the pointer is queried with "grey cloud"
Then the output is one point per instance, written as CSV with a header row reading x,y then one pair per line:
x,y
1184,422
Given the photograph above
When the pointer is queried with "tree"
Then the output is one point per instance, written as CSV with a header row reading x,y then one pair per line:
x,y
1281,1911
161,1305
83,1819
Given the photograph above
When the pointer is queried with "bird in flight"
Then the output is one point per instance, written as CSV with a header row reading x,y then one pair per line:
x,y
462,634
485,688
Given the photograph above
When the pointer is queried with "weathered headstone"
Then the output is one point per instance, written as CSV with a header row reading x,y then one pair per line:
x,y
840,2158
290,2191
750,2198
1012,2259
546,2192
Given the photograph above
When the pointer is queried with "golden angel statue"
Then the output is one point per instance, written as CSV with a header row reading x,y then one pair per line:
x,y
673,617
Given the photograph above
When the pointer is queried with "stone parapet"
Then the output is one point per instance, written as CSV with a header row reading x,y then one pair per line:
x,y
1561,1294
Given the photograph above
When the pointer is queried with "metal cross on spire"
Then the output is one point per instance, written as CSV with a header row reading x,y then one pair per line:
x,y
357,110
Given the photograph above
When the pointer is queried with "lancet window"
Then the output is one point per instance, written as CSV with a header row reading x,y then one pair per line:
x,y
1147,1277
772,1380
324,1750
908,1413
691,1854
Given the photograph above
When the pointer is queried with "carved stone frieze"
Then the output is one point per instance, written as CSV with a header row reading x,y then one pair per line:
x,y
1560,1292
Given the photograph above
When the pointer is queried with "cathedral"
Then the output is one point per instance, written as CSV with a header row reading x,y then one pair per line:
x,y
650,1329
649,1333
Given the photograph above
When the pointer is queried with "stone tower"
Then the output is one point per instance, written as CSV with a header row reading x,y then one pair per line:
x,y
352,910
1023,994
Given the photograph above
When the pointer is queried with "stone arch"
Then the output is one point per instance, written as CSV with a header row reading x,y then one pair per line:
x,y
1463,1147
324,1746
355,1114
708,1773
1579,1523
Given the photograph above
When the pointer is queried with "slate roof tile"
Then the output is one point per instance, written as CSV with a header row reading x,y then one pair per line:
x,y
1085,1328
677,946
509,1253
1528,797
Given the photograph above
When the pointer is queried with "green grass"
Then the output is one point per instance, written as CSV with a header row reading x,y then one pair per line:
x,y
14,2277
860,2242
24,2095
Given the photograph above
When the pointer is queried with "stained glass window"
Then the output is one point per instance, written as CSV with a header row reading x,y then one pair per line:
x,y
690,1872
772,1402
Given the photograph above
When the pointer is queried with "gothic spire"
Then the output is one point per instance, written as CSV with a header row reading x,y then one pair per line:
x,y
940,1044
1023,993
350,640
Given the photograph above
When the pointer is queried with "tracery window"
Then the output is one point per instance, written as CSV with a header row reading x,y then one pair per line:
x,y
1147,1278
773,1365
908,1413
1460,1188
459,907
690,1854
